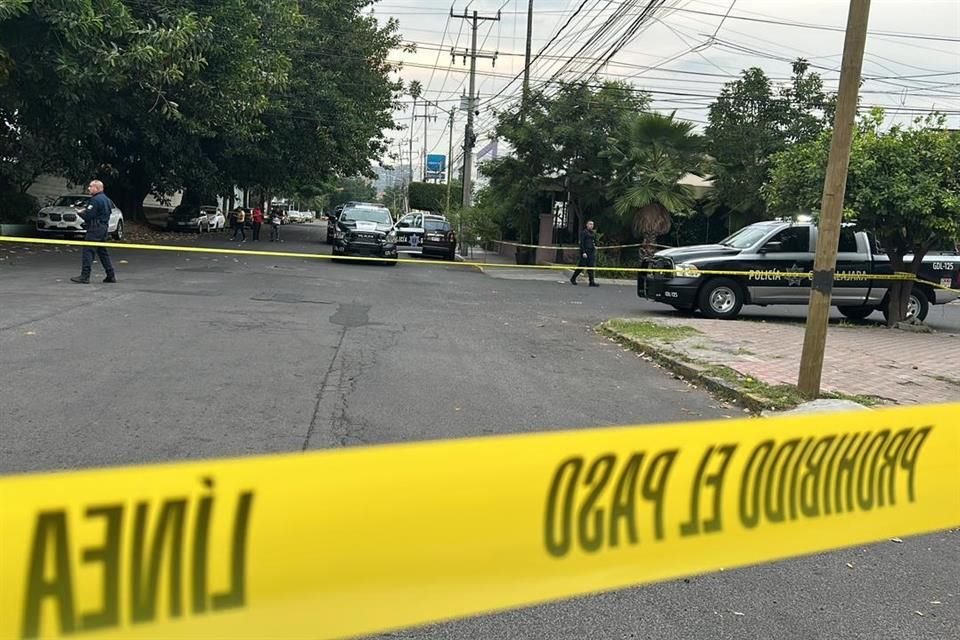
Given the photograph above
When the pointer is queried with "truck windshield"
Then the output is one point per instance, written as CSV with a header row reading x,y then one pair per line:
x,y
746,237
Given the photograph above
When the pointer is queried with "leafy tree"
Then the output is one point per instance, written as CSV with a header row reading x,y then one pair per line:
x,y
650,154
433,197
903,185
558,142
355,189
749,122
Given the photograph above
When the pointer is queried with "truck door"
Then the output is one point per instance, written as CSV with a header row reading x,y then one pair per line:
x,y
788,251
853,259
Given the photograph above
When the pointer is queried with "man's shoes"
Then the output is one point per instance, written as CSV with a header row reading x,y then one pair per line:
x,y
573,282
594,284
81,280
110,279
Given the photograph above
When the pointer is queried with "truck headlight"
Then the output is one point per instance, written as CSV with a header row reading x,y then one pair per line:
x,y
687,270
392,237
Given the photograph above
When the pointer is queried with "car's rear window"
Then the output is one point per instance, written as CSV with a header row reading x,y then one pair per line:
x,y
436,225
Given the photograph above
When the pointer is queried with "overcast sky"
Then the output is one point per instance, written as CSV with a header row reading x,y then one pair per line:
x,y
912,60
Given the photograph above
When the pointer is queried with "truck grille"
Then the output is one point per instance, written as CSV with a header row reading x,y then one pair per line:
x,y
55,217
69,217
657,263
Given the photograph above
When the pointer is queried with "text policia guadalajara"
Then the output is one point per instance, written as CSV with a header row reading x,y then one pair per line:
x,y
602,502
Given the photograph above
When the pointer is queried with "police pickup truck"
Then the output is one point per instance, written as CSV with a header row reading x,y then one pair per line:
x,y
759,251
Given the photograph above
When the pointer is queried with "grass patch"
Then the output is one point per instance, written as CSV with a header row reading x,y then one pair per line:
x,y
644,330
778,397
867,401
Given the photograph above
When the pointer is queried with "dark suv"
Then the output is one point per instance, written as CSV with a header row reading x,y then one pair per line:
x,y
365,231
439,238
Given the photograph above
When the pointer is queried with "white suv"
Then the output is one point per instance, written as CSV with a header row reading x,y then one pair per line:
x,y
63,217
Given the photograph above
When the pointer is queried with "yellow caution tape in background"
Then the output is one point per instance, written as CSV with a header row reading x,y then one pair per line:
x,y
357,541
852,276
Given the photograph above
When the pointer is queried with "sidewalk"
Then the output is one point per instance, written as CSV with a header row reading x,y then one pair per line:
x,y
560,276
891,365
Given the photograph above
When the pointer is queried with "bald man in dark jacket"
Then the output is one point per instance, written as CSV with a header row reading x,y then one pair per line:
x,y
96,215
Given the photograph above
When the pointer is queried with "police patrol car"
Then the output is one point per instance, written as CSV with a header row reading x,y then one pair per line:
x,y
759,251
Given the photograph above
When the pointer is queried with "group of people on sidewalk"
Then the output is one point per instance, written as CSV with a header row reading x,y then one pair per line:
x,y
241,215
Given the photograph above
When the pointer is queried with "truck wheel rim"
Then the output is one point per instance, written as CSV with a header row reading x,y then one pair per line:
x,y
722,299
913,307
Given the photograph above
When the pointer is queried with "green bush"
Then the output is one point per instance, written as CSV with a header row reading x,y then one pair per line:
x,y
16,207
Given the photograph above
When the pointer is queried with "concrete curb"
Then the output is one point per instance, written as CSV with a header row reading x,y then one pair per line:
x,y
690,371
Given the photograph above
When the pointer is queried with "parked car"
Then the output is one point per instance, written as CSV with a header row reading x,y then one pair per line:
x,y
410,228
63,218
759,252
439,238
213,219
189,217
365,231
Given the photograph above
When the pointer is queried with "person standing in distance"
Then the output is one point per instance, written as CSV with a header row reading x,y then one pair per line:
x,y
588,254
96,215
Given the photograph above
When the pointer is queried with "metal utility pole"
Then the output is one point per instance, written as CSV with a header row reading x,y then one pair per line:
x,y
831,208
450,163
469,138
526,60
425,116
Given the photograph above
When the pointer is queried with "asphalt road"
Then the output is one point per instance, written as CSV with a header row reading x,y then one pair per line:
x,y
196,356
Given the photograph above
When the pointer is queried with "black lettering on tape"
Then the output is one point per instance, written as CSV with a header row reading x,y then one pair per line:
x,y
624,507
597,475
846,466
109,556
750,484
153,555
793,492
714,481
167,536
774,499
655,486
811,477
562,488
887,473
50,535
910,457
236,597
867,488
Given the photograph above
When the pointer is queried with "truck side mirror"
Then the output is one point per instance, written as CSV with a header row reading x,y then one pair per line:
x,y
772,247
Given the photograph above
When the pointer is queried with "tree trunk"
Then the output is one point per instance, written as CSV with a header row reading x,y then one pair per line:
x,y
648,248
899,294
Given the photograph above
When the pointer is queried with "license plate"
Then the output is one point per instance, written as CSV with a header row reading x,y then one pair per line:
x,y
366,236
437,238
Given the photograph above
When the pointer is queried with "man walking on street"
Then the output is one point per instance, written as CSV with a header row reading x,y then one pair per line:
x,y
588,254
96,215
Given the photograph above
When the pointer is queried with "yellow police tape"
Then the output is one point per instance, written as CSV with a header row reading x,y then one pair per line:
x,y
753,273
356,541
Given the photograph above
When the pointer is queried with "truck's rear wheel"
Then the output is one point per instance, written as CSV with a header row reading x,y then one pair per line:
x,y
721,298
856,313
918,306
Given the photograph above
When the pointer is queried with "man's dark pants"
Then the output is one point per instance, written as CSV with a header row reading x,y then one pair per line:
x,y
589,261
96,234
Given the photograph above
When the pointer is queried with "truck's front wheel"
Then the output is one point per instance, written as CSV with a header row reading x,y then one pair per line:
x,y
721,298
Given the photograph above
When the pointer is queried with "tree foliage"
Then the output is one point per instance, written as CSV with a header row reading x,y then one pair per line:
x,y
558,143
903,185
750,121
155,96
651,154
433,197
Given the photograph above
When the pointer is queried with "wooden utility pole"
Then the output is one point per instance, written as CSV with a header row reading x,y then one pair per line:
x,y
831,211
526,61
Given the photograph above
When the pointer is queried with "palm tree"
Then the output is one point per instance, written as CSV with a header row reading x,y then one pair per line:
x,y
651,155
